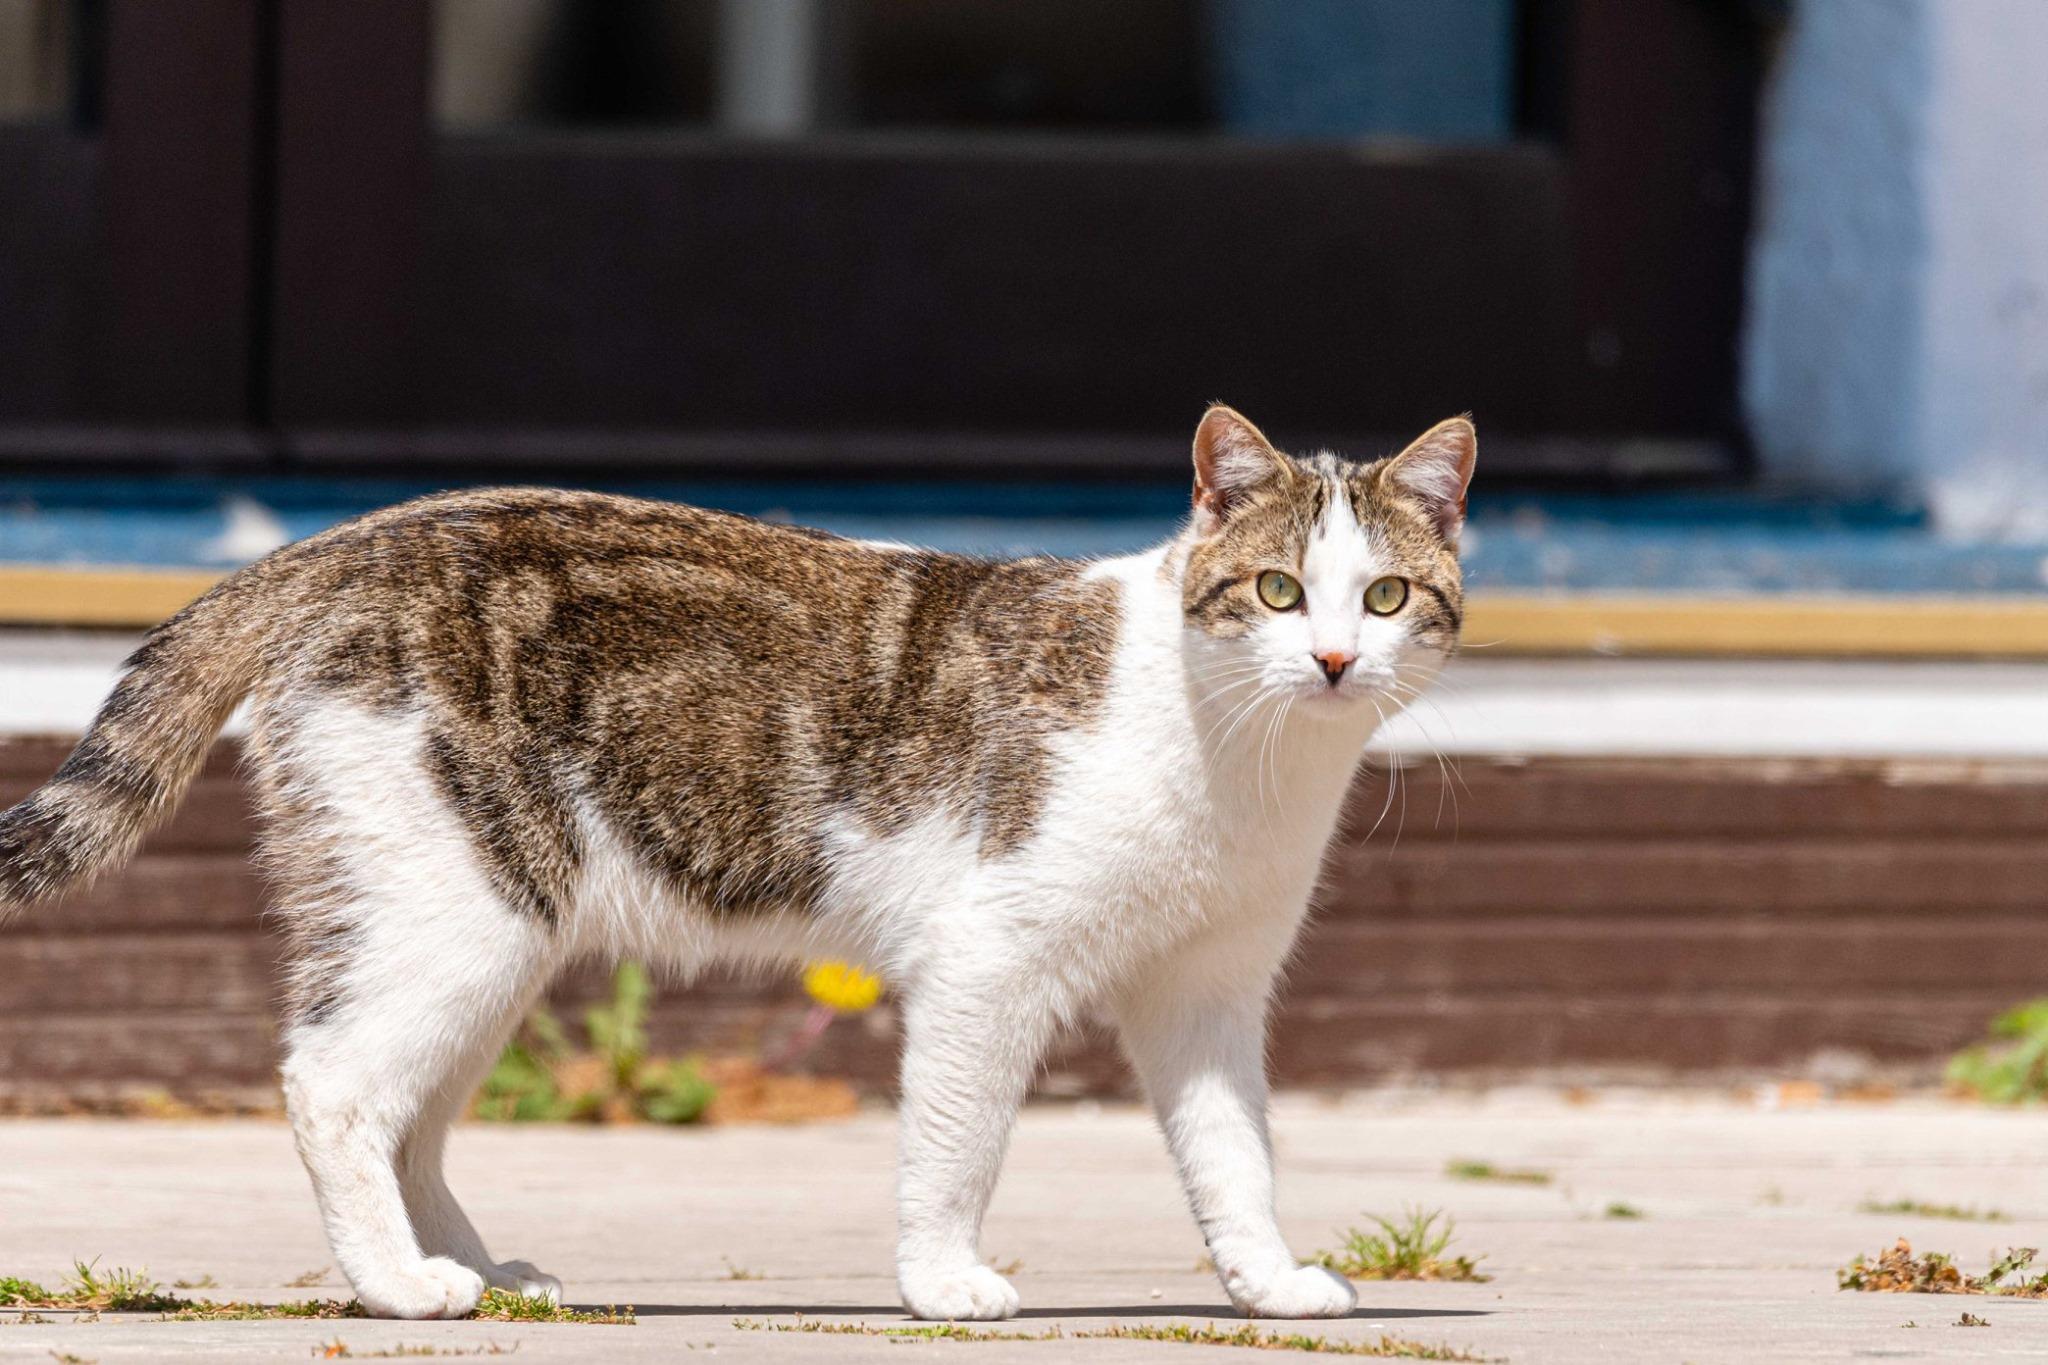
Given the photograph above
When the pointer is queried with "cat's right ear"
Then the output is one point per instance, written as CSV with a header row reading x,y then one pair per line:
x,y
1232,457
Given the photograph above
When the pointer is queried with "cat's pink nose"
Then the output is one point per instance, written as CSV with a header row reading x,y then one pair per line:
x,y
1334,662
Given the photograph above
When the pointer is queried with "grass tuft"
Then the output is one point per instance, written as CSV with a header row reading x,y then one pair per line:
x,y
1919,1208
207,1310
1622,1209
1499,1175
502,1305
1899,1271
1380,1348
1411,1248
89,1289
2010,1066
338,1349
1187,1334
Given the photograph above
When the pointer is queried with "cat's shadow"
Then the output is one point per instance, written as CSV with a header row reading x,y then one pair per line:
x,y
1218,1312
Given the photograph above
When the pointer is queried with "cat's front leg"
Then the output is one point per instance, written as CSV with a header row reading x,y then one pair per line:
x,y
971,1041
1199,1047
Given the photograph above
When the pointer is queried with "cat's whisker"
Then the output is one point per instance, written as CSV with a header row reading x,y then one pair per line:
x,y
1391,768
1265,744
1449,764
1239,717
1447,772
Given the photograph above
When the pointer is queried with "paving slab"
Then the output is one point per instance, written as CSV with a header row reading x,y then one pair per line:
x,y
724,1238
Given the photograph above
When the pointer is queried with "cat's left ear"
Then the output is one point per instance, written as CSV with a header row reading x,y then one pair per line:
x,y
1436,470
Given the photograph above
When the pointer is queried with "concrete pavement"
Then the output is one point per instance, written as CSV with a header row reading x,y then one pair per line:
x,y
1748,1210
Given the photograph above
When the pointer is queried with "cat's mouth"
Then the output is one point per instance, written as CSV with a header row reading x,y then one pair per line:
x,y
1357,685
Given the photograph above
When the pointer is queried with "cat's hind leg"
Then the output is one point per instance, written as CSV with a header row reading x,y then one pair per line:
x,y
370,1066
438,1221
408,968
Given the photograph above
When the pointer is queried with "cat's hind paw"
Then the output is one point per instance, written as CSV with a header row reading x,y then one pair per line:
x,y
434,1287
526,1280
971,1293
1307,1291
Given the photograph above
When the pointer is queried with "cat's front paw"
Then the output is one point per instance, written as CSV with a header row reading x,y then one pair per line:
x,y
1307,1291
434,1287
528,1282
969,1293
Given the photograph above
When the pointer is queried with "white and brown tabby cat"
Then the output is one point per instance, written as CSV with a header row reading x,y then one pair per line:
x,y
498,731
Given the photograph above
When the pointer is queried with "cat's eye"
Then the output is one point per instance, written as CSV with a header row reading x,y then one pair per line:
x,y
1386,596
1280,591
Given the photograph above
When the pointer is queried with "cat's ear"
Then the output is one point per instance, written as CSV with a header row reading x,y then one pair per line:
x,y
1436,470
1232,457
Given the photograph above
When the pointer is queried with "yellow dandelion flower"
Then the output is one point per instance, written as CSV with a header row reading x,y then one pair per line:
x,y
841,986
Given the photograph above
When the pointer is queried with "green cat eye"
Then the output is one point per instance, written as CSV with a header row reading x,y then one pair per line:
x,y
1386,596
1279,591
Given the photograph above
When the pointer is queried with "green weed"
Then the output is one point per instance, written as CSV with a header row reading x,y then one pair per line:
x,y
1919,1208
1188,1334
88,1288
338,1349
1487,1171
91,1290
1409,1249
2011,1066
542,1077
1621,1209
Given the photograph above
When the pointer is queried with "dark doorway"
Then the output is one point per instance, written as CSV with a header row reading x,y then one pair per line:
x,y
974,237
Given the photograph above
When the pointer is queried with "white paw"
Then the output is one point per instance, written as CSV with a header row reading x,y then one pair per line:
x,y
1307,1291
526,1280
432,1288
971,1293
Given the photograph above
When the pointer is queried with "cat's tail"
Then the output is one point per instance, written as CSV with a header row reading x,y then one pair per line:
x,y
148,740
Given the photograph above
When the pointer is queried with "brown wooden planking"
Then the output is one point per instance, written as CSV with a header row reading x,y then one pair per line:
x,y
1317,1043
1334,1044
231,973
1692,798
1564,957
156,892
1768,877
183,1049
1585,912
1945,880
1340,959
1705,799
213,817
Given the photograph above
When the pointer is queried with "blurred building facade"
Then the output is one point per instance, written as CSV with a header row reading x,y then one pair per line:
x,y
849,235
918,254
1898,321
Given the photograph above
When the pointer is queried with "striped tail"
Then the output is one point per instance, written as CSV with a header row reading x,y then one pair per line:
x,y
148,740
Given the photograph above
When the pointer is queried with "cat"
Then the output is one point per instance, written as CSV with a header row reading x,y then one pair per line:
x,y
493,732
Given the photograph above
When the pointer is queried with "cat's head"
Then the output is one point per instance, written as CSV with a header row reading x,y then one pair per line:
x,y
1325,580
